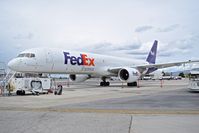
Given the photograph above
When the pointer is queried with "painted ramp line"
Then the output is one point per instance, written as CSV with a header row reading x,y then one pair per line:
x,y
115,111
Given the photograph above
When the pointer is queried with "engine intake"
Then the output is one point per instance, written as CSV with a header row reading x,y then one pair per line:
x,y
128,74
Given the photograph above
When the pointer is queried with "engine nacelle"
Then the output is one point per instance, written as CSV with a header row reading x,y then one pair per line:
x,y
78,77
128,75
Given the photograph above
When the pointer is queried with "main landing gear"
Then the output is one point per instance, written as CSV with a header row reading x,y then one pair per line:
x,y
104,83
132,84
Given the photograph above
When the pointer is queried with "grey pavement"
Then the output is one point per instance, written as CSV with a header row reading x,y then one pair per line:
x,y
53,122
88,108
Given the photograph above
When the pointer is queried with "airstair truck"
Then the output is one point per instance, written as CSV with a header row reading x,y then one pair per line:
x,y
34,84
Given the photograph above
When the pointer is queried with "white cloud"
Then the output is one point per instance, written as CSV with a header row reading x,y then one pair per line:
x,y
143,28
28,36
168,28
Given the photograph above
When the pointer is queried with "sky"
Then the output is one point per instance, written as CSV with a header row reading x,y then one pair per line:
x,y
125,28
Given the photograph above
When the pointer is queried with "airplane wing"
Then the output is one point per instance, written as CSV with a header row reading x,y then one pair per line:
x,y
142,68
165,65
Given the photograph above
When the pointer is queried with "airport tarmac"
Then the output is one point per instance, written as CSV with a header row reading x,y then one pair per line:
x,y
88,108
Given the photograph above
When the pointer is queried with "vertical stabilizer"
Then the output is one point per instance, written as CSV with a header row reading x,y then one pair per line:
x,y
152,54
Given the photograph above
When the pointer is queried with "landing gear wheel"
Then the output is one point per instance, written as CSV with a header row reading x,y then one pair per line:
x,y
17,92
132,84
104,83
23,92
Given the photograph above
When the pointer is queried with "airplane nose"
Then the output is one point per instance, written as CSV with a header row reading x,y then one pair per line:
x,y
12,64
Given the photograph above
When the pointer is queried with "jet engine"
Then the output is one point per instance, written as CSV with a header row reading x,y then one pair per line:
x,y
78,77
128,75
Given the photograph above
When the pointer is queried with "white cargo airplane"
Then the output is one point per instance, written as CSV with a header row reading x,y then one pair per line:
x,y
82,66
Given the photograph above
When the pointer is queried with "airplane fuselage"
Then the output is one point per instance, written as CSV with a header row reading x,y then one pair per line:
x,y
48,60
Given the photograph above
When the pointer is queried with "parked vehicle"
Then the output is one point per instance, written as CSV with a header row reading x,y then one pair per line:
x,y
194,81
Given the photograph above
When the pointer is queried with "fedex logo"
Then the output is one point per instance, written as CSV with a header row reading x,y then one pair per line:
x,y
82,60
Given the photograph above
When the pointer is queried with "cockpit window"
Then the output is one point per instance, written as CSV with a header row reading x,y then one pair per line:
x,y
32,55
29,55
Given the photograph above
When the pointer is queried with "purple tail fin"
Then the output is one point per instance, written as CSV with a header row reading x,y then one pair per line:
x,y
152,54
